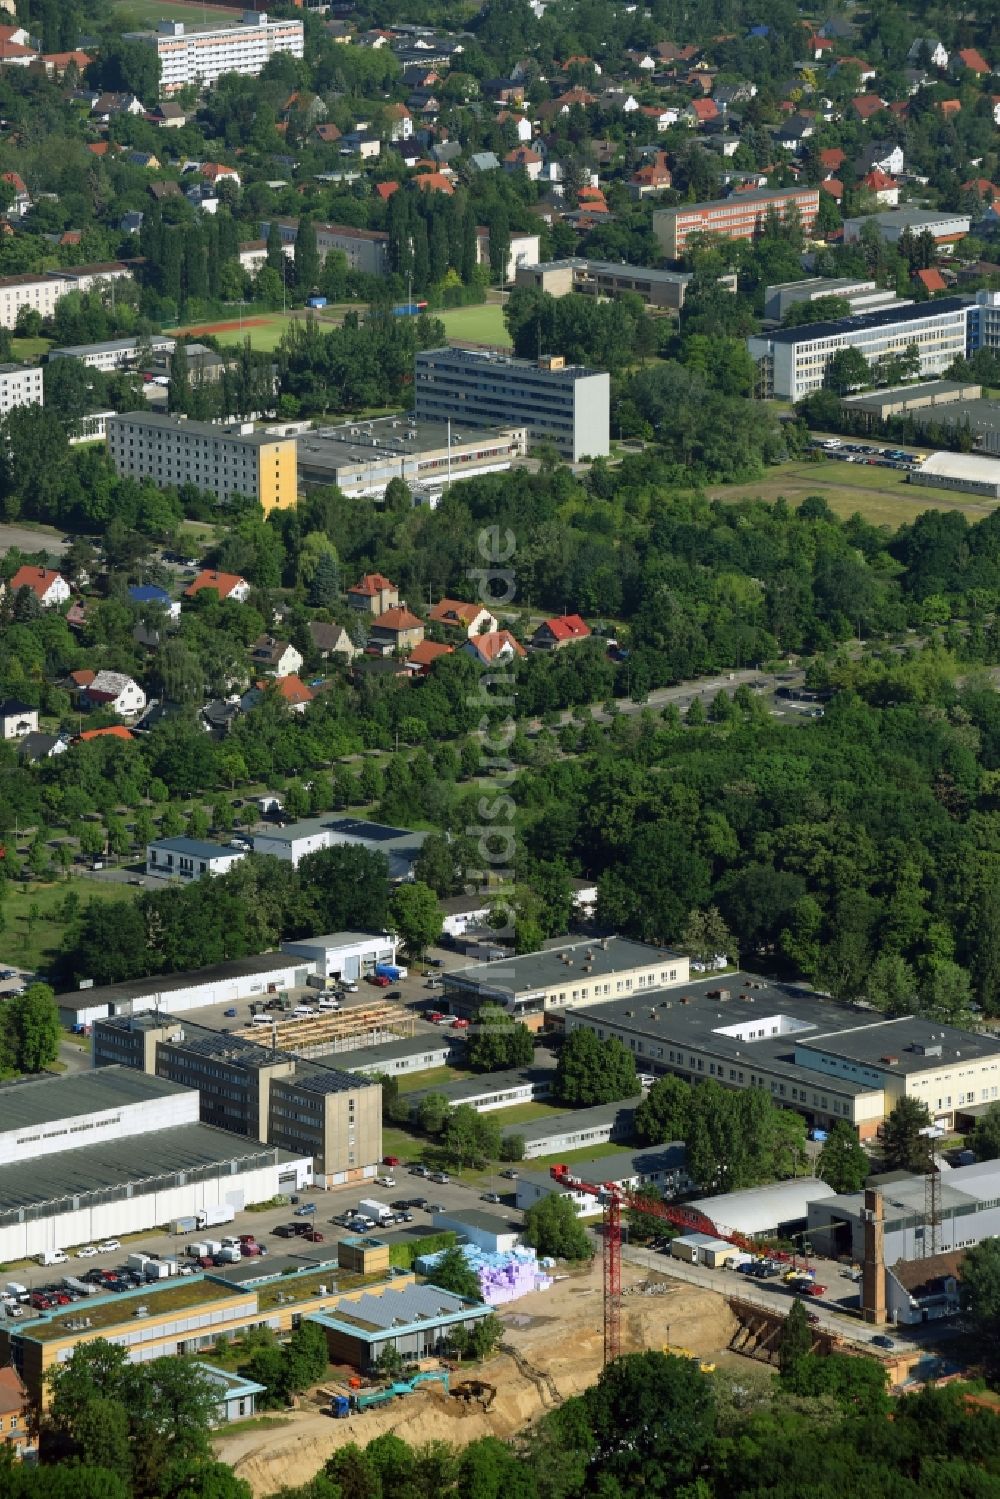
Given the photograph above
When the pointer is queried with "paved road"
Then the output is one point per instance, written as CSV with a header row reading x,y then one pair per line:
x,y
32,539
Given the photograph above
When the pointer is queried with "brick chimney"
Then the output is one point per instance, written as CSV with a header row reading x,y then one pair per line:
x,y
873,1265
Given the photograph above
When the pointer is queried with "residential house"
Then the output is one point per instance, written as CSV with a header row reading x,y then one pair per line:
x,y
662,116
17,719
701,112
524,159
423,656
131,223
922,1290
654,177
970,58
866,106
360,143
522,125
34,748
57,64
190,858
278,658
373,595
554,634
144,159
227,585
881,156
107,106
50,588
292,691
332,640
928,49
326,132
151,595
116,731
15,1411
215,172
497,645
167,116
832,158
467,619
931,280
396,629
949,107
219,715
865,69
400,122
795,131
884,189
435,182
159,191
22,198
112,690
484,161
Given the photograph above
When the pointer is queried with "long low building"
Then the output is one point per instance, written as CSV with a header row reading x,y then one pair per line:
x,y
609,278
361,458
779,1208
176,993
965,472
537,987
792,362
50,1114
921,400
41,290
946,229
491,1091
410,1054
116,353
831,1062
740,216
660,1166
400,846
576,1129
862,295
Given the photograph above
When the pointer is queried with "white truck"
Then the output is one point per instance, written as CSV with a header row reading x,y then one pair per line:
x,y
370,1207
52,1257
218,1212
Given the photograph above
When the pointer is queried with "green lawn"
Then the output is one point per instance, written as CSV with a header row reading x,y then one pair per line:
x,y
148,12
32,940
264,329
30,348
484,325
881,495
433,1078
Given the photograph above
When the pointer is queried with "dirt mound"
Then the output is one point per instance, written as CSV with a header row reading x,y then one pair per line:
x,y
556,1347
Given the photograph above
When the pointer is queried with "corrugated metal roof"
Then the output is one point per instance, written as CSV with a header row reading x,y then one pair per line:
x,y
44,1100
758,1210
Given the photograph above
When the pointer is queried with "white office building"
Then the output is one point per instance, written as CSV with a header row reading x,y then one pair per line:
x,y
563,405
190,858
200,57
791,362
44,1115
116,353
345,955
20,385
41,290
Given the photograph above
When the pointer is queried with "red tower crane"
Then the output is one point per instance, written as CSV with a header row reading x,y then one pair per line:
x,y
613,1198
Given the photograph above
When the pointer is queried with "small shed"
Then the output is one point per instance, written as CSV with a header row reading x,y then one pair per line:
x,y
364,1256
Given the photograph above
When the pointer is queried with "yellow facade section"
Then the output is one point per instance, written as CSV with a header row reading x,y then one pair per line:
x,y
278,475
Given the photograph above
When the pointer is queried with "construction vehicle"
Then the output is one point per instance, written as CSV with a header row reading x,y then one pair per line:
x,y
359,1401
677,1351
475,1389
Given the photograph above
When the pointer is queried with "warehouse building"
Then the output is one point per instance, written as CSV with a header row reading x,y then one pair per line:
x,y
40,1116
791,362
93,1192
966,472
414,1320
967,1210
922,400
863,295
563,405
603,1124
226,460
303,1106
781,1208
660,1166
609,278
175,993
344,955
537,988
741,216
400,846
360,458
828,1061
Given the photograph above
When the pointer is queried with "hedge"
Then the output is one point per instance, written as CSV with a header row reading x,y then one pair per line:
x,y
403,1254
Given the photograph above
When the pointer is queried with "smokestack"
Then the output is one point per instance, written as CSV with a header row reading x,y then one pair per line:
x,y
873,1266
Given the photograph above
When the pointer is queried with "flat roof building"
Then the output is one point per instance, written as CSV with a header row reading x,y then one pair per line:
x,y
345,955
741,216
662,1166
577,1128
828,1061
174,993
964,472
968,1211
414,1320
20,385
307,1107
41,1116
115,353
190,858
946,228
539,986
401,846
490,1091
360,458
566,406
792,362
905,400
365,250
863,295
411,1054
200,56
225,460
609,278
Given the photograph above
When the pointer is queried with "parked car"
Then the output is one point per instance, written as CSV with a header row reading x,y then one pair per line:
x,y
305,1210
108,1246
490,1197
385,1181
461,1024
418,1169
230,1014
435,1017
881,1341
87,1252
440,1176
394,994
509,1175
379,980
417,1202
314,1236
391,1160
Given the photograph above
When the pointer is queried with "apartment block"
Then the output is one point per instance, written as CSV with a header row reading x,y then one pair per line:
x,y
41,290
226,460
199,57
564,405
20,385
366,250
739,217
306,1107
792,362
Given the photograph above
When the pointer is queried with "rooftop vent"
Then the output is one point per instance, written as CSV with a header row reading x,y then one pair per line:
x,y
890,1061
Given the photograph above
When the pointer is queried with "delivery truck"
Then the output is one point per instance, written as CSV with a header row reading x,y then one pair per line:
x,y
391,971
218,1212
52,1257
184,1225
138,1262
370,1207
81,1287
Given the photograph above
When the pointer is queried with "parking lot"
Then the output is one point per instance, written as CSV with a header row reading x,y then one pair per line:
x,y
868,452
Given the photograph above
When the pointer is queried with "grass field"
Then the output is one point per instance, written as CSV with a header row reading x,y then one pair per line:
x,y
263,329
484,325
30,348
191,12
33,924
881,495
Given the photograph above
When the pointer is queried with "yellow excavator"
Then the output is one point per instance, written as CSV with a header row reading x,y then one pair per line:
x,y
677,1351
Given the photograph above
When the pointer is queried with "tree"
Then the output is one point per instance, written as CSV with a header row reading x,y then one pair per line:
x,y
552,1227
497,1042
471,1138
653,1418
796,1339
665,1112
985,1137
842,1161
847,370
706,935
904,1148
452,1272
31,1021
981,1293
325,583
432,1112
306,256
590,1071
417,917
306,1357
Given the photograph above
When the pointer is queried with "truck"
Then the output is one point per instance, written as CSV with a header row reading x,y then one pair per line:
x,y
228,1255
213,1213
344,1405
81,1287
183,1225
370,1207
160,1269
198,1250
138,1262
52,1257
390,971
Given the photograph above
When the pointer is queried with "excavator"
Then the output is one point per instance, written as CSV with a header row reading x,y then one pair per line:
x,y
475,1389
677,1351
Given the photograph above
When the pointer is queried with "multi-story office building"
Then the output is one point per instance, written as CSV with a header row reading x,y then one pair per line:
x,y
860,295
608,278
791,362
366,250
20,385
739,217
984,321
249,1089
116,353
565,405
200,57
226,460
41,290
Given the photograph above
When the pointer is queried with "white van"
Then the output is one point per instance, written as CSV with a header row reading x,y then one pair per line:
x,y
302,1012
329,1004
262,1020
53,1257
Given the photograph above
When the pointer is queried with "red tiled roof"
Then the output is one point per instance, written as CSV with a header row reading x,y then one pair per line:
x,y
291,688
704,109
867,105
117,731
832,157
878,181
454,612
434,182
427,652
398,619
489,646
974,60
385,190
834,187
38,579
221,583
371,584
931,280
83,678
566,627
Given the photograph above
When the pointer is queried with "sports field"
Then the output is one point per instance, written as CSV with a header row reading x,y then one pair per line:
x,y
191,12
881,495
264,329
476,325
